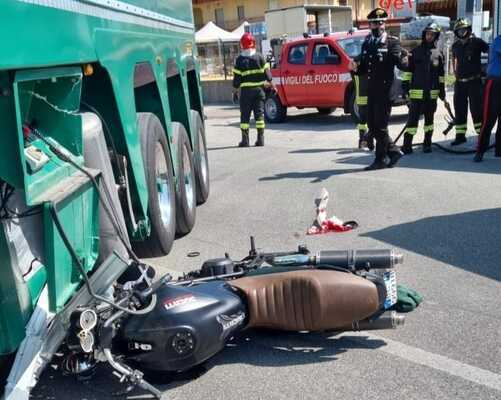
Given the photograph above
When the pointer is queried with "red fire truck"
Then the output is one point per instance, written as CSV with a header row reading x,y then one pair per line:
x,y
313,73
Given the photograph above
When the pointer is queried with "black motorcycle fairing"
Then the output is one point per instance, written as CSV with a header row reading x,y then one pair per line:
x,y
188,325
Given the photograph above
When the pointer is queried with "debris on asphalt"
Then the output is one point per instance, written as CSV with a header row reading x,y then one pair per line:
x,y
322,224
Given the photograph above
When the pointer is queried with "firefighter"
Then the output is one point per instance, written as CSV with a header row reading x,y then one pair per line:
x,y
424,82
380,54
365,139
251,74
492,103
466,52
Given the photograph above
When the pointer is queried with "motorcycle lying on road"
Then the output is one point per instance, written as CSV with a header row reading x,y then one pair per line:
x,y
178,324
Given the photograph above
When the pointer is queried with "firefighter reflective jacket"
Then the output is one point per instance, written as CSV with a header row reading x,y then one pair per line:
x,y
251,71
424,76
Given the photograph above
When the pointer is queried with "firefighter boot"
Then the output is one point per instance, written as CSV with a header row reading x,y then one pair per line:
x,y
362,142
370,141
260,137
460,138
407,147
245,138
427,142
376,165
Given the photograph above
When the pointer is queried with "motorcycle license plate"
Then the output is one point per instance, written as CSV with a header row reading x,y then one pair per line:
x,y
390,281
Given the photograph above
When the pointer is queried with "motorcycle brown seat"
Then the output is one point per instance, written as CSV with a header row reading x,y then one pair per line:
x,y
307,300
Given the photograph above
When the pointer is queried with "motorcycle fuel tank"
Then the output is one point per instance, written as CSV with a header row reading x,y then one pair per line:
x,y
188,325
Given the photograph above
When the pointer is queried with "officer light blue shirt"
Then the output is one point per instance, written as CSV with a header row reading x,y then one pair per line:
x,y
494,67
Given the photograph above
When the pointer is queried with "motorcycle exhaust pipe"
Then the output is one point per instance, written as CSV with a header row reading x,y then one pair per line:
x,y
354,260
359,259
386,320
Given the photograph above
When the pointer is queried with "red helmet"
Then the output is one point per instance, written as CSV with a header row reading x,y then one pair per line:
x,y
247,41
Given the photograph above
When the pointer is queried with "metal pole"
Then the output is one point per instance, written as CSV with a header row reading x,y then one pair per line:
x,y
225,70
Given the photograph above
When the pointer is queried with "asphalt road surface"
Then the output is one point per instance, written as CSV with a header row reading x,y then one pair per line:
x,y
441,210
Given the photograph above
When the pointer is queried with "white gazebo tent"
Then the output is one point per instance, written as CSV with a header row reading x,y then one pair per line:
x,y
211,33
211,39
240,30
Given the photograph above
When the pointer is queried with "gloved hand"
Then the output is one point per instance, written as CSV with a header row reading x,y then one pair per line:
x,y
441,95
235,96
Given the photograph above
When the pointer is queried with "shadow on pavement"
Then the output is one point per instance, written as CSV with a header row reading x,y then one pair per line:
x,y
469,240
350,150
222,148
437,161
314,122
258,348
315,176
279,349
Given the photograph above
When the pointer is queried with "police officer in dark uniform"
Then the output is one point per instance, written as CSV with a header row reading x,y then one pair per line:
x,y
251,74
466,52
424,82
380,54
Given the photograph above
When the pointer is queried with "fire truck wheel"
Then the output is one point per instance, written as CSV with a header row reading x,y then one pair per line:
x,y
186,193
160,184
274,111
326,110
353,107
200,156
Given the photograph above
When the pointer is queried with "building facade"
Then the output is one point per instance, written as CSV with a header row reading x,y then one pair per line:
x,y
228,14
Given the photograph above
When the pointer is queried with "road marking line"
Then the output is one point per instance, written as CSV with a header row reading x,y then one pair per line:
x,y
418,356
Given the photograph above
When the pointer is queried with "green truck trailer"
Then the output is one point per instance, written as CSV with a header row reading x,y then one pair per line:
x,y
103,159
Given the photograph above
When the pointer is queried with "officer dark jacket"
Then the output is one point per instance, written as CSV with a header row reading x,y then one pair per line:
x,y
251,71
378,59
468,56
425,73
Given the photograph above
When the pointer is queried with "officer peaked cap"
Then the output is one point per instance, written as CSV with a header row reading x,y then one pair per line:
x,y
377,15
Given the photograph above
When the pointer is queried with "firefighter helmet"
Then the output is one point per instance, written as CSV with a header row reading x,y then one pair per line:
x,y
461,23
432,27
462,28
247,41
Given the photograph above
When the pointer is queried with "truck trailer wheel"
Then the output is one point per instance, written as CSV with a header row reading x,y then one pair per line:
x,y
201,158
186,193
274,111
326,110
161,188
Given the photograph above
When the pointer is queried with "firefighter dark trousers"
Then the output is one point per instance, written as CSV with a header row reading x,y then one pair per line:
x,y
418,108
252,101
492,113
464,93
378,115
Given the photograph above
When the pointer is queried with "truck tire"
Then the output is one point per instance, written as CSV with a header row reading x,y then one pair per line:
x,y
326,110
201,159
274,111
353,107
161,187
186,193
